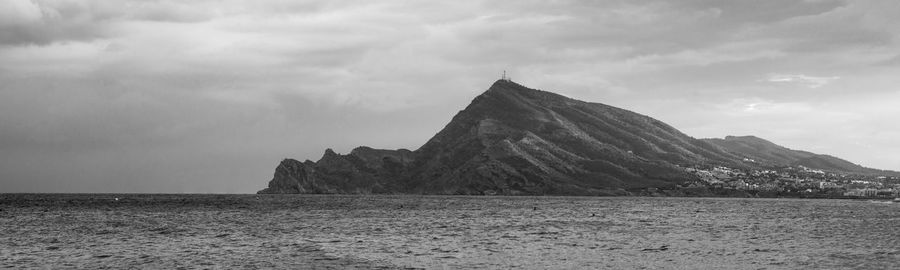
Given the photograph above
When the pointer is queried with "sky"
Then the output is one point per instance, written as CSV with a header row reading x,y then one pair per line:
x,y
208,96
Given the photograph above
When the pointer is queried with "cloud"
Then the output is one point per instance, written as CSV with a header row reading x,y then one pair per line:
x,y
18,12
762,107
245,83
25,22
808,81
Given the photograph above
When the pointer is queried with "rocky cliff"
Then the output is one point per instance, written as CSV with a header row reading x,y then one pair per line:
x,y
364,170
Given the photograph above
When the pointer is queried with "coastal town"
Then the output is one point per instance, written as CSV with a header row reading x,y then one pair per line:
x,y
795,181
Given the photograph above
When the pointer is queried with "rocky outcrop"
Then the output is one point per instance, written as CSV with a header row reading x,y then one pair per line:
x,y
364,170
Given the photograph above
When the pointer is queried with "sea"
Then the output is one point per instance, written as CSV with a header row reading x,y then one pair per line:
x,y
200,231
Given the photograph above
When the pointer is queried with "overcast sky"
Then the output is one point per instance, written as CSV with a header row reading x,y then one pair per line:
x,y
208,96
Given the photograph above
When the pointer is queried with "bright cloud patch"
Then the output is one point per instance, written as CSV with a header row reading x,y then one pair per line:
x,y
808,81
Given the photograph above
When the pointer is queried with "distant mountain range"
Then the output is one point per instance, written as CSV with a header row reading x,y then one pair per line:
x,y
767,154
513,140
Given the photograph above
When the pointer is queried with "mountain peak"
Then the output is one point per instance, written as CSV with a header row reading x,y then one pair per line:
x,y
503,89
506,84
508,87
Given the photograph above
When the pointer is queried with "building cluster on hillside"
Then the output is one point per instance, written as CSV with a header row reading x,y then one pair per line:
x,y
798,180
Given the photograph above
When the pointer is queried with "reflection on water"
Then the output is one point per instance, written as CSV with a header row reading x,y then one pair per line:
x,y
289,231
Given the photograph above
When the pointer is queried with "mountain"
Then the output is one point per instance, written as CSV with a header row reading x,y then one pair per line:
x,y
514,140
768,154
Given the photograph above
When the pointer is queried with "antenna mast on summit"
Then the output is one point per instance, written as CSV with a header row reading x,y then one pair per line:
x,y
504,77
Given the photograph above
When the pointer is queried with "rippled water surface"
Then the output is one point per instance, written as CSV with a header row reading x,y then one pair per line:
x,y
436,232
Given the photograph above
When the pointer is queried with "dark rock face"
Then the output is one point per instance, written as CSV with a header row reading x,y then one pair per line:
x,y
364,170
515,140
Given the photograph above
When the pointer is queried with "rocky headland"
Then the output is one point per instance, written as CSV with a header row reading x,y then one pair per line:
x,y
514,140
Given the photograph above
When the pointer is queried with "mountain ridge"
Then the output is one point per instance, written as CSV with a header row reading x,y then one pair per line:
x,y
771,154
